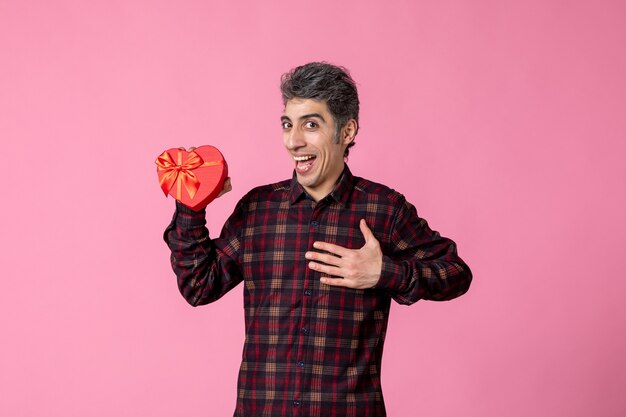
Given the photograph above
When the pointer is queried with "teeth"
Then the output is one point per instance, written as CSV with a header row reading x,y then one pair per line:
x,y
303,158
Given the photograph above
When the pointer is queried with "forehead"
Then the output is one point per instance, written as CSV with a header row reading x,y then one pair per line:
x,y
297,108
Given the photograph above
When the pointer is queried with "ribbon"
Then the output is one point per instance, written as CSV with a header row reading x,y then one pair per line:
x,y
180,172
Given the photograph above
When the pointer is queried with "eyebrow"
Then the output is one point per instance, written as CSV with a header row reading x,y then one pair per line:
x,y
284,117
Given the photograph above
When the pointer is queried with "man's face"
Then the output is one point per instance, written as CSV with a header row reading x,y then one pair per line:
x,y
309,136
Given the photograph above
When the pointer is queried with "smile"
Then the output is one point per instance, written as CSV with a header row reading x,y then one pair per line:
x,y
304,163
303,158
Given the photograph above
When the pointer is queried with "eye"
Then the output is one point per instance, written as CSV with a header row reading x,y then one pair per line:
x,y
286,125
310,125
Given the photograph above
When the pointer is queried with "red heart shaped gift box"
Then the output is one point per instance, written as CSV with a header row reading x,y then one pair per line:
x,y
194,178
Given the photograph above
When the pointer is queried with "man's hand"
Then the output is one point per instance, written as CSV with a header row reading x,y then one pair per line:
x,y
227,185
226,188
359,268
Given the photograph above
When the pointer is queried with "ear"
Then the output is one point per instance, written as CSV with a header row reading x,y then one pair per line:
x,y
348,132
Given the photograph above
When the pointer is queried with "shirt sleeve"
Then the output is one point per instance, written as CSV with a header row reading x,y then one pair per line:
x,y
205,268
420,263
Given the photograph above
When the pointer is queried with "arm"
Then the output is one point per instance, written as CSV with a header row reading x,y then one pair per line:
x,y
421,264
417,263
206,268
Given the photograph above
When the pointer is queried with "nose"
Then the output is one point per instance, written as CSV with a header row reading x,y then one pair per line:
x,y
294,139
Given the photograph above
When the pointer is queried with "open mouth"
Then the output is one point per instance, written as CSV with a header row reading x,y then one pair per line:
x,y
304,163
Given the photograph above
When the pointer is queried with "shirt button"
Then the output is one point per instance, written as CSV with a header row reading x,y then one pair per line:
x,y
308,292
305,330
301,364
314,223
296,403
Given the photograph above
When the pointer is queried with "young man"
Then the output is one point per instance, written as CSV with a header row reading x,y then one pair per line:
x,y
321,257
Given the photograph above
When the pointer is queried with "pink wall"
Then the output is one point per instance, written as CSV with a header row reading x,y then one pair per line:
x,y
502,121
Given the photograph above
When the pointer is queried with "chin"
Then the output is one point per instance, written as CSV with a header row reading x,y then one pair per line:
x,y
307,182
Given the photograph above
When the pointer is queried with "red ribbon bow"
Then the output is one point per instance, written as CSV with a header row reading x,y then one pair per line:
x,y
179,172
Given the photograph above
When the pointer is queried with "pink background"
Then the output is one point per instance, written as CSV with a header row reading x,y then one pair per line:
x,y
504,122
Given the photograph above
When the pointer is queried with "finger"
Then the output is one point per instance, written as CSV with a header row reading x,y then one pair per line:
x,y
226,187
326,269
336,282
329,247
367,233
323,258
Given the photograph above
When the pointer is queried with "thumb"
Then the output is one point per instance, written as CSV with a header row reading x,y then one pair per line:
x,y
367,233
226,187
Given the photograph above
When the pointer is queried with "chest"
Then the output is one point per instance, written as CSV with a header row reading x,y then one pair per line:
x,y
278,234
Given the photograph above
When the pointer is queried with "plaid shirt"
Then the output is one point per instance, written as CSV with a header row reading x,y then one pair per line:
x,y
312,349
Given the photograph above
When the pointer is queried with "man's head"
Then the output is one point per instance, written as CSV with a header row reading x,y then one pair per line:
x,y
328,84
319,123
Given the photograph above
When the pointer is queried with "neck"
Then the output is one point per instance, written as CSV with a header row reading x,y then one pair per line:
x,y
318,193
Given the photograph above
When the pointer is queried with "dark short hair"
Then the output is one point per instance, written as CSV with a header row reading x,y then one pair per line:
x,y
325,82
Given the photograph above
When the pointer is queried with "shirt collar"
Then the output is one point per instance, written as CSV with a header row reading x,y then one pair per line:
x,y
340,193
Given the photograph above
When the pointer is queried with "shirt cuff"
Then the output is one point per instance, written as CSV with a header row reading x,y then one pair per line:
x,y
189,218
391,276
